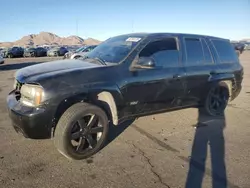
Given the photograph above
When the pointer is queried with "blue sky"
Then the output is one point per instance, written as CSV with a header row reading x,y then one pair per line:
x,y
101,19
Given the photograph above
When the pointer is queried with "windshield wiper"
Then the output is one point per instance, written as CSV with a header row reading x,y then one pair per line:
x,y
100,60
95,58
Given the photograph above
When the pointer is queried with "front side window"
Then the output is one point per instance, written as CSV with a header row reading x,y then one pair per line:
x,y
194,51
114,49
164,52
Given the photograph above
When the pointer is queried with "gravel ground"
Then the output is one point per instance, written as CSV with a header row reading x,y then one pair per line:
x,y
153,151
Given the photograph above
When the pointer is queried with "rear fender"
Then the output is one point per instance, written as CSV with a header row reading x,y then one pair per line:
x,y
226,79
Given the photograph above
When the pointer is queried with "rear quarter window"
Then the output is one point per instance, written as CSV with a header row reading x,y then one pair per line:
x,y
225,51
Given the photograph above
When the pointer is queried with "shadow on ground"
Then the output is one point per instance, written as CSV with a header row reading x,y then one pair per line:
x,y
7,67
208,134
116,130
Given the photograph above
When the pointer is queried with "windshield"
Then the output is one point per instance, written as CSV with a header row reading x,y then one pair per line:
x,y
114,49
81,49
29,49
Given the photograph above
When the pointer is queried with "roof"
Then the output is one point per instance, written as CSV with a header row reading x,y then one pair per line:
x,y
170,34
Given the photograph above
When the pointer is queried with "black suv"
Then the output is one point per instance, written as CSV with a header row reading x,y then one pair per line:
x,y
35,52
127,76
13,52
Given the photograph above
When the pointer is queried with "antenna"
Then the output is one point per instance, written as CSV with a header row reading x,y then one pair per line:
x,y
132,26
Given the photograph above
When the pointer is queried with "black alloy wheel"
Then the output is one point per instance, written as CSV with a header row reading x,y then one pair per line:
x,y
85,133
217,100
81,131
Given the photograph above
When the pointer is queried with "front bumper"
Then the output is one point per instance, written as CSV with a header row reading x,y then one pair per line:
x,y
34,123
236,91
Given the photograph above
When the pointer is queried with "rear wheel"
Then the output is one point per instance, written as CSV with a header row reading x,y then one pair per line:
x,y
217,100
81,131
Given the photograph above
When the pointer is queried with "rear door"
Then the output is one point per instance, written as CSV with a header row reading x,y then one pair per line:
x,y
227,61
199,65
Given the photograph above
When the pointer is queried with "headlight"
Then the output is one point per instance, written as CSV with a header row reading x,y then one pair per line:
x,y
15,83
31,95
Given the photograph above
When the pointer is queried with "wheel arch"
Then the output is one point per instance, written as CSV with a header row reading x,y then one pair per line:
x,y
108,102
228,83
103,99
227,80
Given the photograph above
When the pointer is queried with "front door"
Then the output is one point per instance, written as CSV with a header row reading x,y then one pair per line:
x,y
160,87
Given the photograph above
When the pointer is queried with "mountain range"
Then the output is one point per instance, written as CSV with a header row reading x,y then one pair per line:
x,y
47,38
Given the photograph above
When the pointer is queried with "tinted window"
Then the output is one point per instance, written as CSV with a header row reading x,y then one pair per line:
x,y
207,53
194,52
164,52
225,51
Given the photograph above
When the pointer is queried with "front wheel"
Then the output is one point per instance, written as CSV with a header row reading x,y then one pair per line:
x,y
77,57
81,131
217,100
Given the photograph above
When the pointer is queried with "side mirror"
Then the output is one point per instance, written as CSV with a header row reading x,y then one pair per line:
x,y
145,62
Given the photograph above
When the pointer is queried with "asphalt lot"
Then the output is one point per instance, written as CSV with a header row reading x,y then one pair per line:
x,y
151,152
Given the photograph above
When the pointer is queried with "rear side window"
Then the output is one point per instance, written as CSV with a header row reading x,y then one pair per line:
x,y
207,54
164,52
194,52
225,51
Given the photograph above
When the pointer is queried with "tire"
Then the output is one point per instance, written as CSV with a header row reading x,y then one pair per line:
x,y
33,54
10,56
222,99
69,121
77,57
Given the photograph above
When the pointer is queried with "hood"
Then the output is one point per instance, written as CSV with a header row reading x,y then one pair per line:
x,y
52,68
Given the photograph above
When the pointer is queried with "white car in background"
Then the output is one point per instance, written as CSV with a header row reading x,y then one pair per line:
x,y
80,52
1,59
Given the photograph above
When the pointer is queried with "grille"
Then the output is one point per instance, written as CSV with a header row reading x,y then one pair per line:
x,y
18,86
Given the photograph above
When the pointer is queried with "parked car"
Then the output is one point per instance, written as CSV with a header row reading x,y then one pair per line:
x,y
127,76
247,46
79,52
35,52
239,47
1,59
57,51
13,52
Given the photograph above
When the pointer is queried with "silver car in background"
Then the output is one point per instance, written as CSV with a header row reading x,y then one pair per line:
x,y
80,52
1,59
